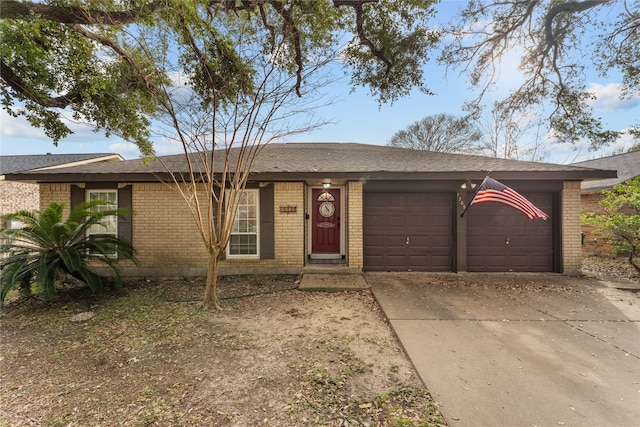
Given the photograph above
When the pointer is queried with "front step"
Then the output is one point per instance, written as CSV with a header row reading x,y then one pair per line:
x,y
332,282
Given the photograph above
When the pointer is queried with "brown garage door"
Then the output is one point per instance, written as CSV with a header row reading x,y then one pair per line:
x,y
408,231
500,238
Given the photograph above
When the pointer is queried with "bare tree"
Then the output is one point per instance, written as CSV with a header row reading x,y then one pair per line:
x,y
222,118
511,135
443,133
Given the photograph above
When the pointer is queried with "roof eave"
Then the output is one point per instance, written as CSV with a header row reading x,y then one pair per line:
x,y
56,178
566,175
453,175
108,158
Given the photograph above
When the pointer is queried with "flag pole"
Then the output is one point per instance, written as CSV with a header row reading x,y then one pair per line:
x,y
474,195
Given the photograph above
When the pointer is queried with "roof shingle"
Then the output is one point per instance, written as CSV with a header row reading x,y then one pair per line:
x,y
627,165
22,163
334,159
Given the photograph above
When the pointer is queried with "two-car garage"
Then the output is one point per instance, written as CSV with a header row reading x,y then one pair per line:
x,y
423,231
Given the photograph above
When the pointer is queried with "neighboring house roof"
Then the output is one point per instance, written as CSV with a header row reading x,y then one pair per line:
x,y
13,164
627,165
331,160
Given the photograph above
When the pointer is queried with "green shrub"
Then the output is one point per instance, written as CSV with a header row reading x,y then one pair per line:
x,y
620,224
47,248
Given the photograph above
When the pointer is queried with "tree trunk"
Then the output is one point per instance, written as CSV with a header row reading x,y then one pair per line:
x,y
631,260
211,288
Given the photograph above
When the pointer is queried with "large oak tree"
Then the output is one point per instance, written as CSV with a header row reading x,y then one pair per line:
x,y
81,57
72,56
558,41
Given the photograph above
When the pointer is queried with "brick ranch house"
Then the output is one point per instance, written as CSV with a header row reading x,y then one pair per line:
x,y
361,207
628,166
17,196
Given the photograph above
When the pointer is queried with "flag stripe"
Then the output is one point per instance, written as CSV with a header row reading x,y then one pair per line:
x,y
514,200
498,197
493,191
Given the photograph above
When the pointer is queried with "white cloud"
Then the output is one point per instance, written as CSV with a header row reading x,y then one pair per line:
x,y
609,98
19,137
621,145
162,147
566,153
125,149
18,127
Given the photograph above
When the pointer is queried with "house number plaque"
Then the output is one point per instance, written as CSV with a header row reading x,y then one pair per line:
x,y
327,209
326,225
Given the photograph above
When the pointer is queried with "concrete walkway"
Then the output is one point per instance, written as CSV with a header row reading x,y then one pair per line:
x,y
519,350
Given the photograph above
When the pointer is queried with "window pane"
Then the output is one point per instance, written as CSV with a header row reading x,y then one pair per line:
x,y
109,196
243,244
244,234
108,225
249,197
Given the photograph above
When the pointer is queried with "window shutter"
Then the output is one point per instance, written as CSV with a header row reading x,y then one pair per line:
x,y
77,196
267,243
125,201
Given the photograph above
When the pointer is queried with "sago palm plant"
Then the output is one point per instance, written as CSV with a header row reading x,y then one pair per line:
x,y
47,248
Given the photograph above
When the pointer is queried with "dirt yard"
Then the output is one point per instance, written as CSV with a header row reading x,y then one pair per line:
x,y
147,355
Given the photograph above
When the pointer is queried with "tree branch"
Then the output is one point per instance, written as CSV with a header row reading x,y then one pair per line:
x,y
118,50
572,7
378,53
11,9
288,25
16,83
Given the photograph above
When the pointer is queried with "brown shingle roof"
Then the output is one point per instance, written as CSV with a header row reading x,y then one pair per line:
x,y
342,160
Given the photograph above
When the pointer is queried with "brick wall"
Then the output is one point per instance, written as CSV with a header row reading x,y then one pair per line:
x,y
164,231
60,193
17,196
355,257
166,236
289,227
571,228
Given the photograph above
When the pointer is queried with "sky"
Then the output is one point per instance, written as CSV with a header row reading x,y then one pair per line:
x,y
356,117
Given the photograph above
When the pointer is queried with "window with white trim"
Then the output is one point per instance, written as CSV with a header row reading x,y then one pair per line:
x,y
109,224
244,234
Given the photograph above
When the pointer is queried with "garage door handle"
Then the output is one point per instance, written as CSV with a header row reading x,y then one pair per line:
x,y
507,240
407,240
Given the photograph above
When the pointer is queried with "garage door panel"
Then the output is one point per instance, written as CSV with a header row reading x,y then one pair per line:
x,y
425,219
371,241
373,259
395,241
416,221
490,262
500,238
396,261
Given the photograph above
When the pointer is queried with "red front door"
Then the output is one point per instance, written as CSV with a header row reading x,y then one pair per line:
x,y
325,221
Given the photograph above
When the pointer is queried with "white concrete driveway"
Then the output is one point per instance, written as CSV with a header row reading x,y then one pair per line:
x,y
519,350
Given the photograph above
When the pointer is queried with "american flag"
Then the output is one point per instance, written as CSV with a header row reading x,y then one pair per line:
x,y
493,191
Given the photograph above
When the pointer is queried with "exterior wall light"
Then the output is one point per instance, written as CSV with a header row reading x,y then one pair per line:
x,y
467,185
326,185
